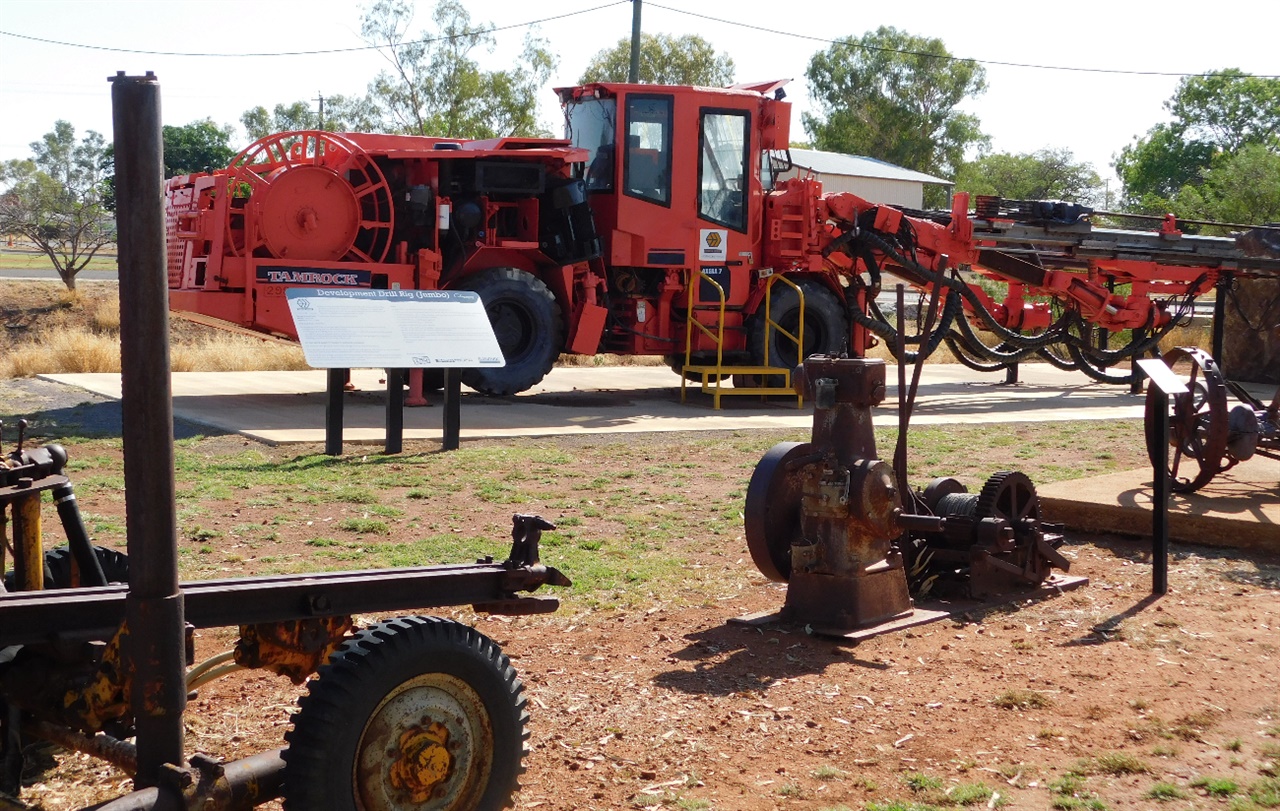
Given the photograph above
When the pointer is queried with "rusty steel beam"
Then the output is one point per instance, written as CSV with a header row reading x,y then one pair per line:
x,y
33,618
154,604
210,786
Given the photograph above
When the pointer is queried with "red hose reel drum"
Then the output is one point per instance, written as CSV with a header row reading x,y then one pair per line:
x,y
309,195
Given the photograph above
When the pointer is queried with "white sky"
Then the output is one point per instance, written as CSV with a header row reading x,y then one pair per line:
x,y
1024,109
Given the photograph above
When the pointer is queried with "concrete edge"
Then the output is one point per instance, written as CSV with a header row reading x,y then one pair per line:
x,y
1205,530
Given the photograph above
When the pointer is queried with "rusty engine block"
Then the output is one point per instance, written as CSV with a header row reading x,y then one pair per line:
x,y
855,545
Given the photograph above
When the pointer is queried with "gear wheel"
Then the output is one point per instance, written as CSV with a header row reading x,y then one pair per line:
x,y
1010,495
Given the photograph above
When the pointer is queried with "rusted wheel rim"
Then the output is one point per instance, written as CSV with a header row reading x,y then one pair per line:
x,y
772,514
1198,425
428,746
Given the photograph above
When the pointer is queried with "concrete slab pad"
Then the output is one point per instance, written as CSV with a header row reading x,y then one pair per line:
x,y
1239,508
288,407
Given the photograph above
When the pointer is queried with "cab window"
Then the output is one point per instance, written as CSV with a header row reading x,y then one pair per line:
x,y
646,171
722,169
589,124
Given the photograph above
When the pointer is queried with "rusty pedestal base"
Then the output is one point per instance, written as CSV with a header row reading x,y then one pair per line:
x,y
926,611
834,601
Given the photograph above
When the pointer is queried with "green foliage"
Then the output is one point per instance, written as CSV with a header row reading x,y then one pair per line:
x,y
57,199
436,88
197,147
1049,174
1214,115
1240,187
664,59
341,114
1228,109
893,96
1154,168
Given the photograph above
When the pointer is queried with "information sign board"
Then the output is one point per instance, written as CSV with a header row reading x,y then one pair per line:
x,y
393,329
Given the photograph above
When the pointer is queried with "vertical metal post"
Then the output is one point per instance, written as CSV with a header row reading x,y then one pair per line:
x,y
28,551
1160,499
333,411
395,411
1135,382
900,349
155,648
1011,372
452,409
1220,315
633,75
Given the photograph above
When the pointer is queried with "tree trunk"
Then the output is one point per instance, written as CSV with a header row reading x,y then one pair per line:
x,y
1251,338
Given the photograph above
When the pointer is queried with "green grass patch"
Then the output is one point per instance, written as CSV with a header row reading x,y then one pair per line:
x,y
967,794
364,526
1116,764
1165,792
1216,786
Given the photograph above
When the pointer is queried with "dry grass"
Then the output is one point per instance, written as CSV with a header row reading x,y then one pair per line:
x,y
236,353
604,359
77,351
61,353
72,332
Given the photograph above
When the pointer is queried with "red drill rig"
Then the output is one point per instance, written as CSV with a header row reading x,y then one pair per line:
x,y
657,226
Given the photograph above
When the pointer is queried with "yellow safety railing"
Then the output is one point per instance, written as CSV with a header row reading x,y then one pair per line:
x,y
713,377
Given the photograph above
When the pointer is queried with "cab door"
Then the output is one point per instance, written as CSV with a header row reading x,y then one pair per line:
x,y
724,196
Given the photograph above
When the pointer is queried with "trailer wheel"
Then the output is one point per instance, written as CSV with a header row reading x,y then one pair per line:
x,y
412,713
527,321
825,329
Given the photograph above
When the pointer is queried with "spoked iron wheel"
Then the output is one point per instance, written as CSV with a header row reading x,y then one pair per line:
x,y
414,713
1198,423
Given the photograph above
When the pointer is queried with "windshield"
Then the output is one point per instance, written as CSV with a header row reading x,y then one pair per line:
x,y
590,125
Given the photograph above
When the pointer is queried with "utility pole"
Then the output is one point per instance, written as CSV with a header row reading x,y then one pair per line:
x,y
320,98
634,75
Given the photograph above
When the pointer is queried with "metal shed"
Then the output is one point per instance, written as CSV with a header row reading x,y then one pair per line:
x,y
873,179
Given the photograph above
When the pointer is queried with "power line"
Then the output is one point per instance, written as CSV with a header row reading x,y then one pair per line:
x,y
310,53
941,56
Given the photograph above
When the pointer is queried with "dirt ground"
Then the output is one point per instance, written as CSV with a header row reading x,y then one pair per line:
x,y
658,701
650,698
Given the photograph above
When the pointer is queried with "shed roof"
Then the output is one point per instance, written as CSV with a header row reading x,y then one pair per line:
x,y
835,163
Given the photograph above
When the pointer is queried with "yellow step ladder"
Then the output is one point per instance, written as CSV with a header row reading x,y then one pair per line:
x,y
714,376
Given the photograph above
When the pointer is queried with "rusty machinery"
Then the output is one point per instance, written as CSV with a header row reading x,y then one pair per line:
x,y
854,545
1204,436
1207,436
668,207
411,712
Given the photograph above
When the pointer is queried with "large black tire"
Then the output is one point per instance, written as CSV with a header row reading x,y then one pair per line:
x,y
527,321
826,330
58,562
413,713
